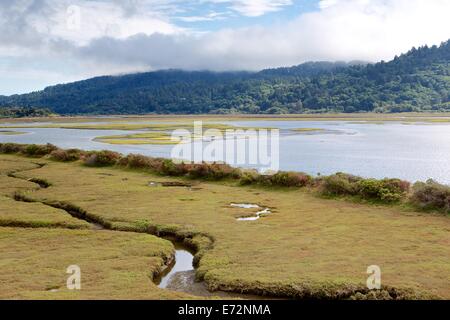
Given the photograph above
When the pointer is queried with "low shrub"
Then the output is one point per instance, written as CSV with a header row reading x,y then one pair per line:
x,y
339,184
289,179
386,190
198,171
279,179
11,148
169,168
156,164
211,171
102,158
248,177
398,185
69,155
35,150
431,195
135,161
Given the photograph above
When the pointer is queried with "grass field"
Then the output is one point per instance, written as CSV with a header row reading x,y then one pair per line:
x,y
38,243
308,246
36,215
114,265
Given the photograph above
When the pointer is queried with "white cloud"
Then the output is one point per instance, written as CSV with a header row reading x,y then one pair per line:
x,y
252,8
327,3
368,30
207,17
256,8
140,34
81,21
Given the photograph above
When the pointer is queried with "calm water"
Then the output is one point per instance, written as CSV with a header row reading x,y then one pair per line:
x,y
183,262
412,152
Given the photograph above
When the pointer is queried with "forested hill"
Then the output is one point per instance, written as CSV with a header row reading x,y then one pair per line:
x,y
416,81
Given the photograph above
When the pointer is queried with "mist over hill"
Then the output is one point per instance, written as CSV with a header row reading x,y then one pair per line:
x,y
418,80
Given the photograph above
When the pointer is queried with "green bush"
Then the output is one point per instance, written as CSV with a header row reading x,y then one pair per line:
x,y
386,190
289,179
102,158
35,150
370,188
248,177
431,195
340,184
279,179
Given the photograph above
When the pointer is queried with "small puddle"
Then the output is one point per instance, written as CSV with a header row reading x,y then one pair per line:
x,y
257,215
245,206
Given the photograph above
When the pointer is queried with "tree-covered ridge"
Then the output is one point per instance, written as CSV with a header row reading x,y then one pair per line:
x,y
416,81
24,112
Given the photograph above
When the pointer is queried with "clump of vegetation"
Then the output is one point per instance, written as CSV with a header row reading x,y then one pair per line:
x,y
280,179
155,165
135,161
103,158
248,177
431,195
35,150
385,190
10,148
208,171
288,179
211,171
339,184
66,155
170,168
285,179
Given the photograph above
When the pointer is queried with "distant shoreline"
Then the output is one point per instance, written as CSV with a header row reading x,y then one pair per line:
x,y
405,116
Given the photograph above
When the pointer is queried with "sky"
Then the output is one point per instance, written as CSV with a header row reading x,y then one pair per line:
x,y
46,42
